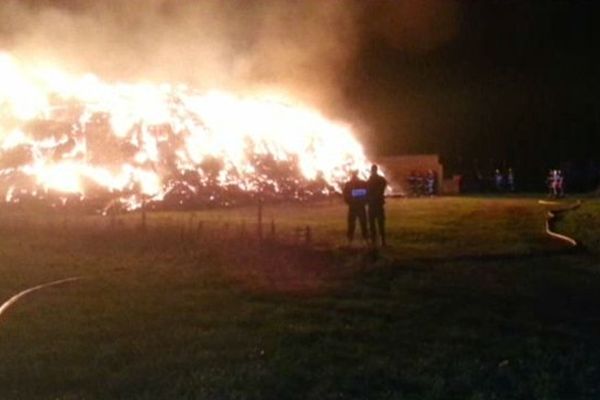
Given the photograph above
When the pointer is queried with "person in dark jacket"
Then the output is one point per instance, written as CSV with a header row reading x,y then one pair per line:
x,y
355,195
376,186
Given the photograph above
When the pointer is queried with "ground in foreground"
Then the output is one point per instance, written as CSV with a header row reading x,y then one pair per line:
x,y
471,301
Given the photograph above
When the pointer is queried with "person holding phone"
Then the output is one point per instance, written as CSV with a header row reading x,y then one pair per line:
x,y
355,196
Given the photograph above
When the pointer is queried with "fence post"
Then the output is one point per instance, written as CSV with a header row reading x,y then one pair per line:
x,y
243,229
191,221
308,235
143,227
259,219
199,228
226,230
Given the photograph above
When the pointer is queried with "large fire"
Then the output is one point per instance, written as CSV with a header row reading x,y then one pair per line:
x,y
78,135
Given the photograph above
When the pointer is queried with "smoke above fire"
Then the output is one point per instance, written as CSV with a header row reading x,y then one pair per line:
x,y
143,96
308,47
234,45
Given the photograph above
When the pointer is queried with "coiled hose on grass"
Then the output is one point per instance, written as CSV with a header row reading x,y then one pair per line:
x,y
551,219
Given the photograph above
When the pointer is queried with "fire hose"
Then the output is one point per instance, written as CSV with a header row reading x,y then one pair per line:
x,y
7,304
551,217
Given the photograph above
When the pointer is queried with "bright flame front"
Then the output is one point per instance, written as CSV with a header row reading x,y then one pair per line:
x,y
80,135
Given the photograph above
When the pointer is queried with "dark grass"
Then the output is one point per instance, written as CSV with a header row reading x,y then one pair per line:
x,y
471,302
584,224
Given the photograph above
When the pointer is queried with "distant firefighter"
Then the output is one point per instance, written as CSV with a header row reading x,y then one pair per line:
x,y
498,181
431,183
551,183
355,195
376,186
510,180
412,182
560,184
422,183
556,183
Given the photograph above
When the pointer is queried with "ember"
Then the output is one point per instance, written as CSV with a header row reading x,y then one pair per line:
x,y
78,137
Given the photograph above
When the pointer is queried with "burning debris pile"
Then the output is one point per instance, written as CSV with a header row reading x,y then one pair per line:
x,y
79,139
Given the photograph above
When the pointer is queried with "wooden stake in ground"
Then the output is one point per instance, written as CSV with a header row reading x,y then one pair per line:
x,y
143,227
259,218
307,235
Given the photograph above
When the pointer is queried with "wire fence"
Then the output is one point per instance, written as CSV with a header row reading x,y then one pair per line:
x,y
141,225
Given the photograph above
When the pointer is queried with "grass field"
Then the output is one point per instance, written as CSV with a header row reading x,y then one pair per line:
x,y
584,225
470,301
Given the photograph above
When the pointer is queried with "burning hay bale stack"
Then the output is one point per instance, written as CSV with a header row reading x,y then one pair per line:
x,y
80,139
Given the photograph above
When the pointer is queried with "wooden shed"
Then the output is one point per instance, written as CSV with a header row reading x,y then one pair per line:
x,y
398,169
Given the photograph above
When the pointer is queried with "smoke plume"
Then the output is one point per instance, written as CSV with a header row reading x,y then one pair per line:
x,y
306,47
299,45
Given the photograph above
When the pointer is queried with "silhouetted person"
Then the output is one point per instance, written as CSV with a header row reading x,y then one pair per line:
x,y
560,184
412,182
430,183
355,195
551,183
376,199
498,180
556,183
510,180
419,184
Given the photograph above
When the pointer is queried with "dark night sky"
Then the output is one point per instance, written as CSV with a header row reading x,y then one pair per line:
x,y
518,83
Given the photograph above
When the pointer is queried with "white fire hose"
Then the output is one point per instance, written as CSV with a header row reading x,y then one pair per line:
x,y
551,217
6,305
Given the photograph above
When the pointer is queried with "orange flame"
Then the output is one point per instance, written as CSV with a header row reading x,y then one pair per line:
x,y
88,123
